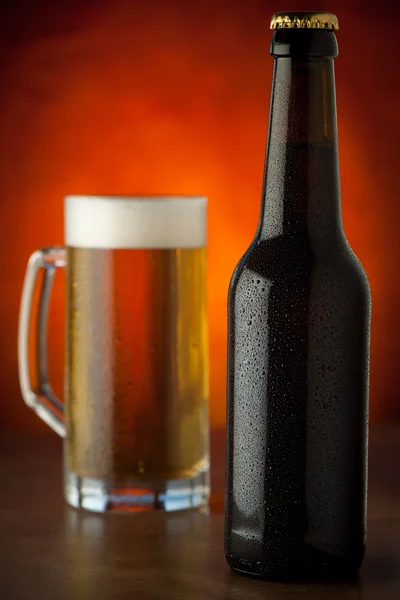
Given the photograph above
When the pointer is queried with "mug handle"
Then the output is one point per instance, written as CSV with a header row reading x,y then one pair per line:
x,y
41,398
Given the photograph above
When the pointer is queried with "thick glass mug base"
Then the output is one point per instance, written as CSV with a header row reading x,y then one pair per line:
x,y
101,495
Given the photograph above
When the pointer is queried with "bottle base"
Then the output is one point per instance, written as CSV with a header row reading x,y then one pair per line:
x,y
300,577
101,495
321,568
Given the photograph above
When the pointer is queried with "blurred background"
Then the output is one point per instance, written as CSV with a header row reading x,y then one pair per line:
x,y
172,96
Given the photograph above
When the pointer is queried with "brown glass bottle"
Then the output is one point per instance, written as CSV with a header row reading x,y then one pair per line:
x,y
298,344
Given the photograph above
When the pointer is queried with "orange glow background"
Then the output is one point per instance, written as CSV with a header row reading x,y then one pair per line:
x,y
173,97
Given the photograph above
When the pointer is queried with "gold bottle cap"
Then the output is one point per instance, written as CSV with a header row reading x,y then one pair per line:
x,y
304,20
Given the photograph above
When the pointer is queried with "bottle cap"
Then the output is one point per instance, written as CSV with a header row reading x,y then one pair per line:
x,y
304,20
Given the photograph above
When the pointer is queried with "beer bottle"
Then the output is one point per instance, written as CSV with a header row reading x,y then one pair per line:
x,y
298,339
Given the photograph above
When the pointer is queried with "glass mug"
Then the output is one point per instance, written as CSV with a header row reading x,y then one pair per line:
x,y
135,418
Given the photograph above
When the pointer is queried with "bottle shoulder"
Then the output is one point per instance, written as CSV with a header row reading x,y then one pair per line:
x,y
349,263
276,260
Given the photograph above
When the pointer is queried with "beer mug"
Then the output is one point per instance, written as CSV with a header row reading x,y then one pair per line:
x,y
135,416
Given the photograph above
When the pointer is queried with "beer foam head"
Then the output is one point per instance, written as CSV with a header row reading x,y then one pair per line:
x,y
135,222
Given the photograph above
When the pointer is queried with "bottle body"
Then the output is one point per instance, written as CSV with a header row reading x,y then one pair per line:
x,y
298,354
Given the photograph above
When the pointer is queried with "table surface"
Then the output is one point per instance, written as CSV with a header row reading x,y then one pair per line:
x,y
50,551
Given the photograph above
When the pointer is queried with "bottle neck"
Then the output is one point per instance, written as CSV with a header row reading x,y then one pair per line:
x,y
301,193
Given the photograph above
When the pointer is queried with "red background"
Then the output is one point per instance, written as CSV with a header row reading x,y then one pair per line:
x,y
173,97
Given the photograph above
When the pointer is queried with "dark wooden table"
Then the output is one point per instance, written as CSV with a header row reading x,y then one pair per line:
x,y
51,552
